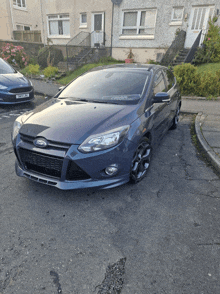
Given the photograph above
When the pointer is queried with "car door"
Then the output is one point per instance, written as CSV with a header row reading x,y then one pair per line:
x,y
159,111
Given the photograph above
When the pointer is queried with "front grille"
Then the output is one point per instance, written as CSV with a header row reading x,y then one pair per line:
x,y
21,90
75,173
51,144
43,164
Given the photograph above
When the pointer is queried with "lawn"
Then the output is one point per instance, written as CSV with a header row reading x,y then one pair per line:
x,y
213,67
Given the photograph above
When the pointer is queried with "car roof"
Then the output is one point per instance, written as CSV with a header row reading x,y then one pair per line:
x,y
130,66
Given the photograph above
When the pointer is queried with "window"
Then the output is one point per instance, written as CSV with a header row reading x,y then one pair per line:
x,y
83,20
159,83
59,25
170,79
19,3
177,16
23,28
140,22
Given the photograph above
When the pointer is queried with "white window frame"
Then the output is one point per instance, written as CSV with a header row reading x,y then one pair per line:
x,y
23,4
138,26
22,26
57,17
175,21
83,24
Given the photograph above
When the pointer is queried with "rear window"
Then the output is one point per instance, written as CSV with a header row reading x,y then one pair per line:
x,y
107,85
5,68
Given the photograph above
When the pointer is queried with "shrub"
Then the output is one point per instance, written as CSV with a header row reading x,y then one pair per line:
x,y
209,84
192,82
210,50
49,56
32,69
14,55
187,78
50,71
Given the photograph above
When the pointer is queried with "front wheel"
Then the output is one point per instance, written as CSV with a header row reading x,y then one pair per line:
x,y
141,161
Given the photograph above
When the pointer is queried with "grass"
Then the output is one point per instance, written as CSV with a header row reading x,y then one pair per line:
x,y
213,67
72,75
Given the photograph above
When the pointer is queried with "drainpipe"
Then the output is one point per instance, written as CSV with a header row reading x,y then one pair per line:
x,y
12,20
42,20
112,28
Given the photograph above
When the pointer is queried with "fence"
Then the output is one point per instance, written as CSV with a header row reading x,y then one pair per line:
x,y
27,36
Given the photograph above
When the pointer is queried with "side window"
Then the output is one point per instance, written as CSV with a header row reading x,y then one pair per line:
x,y
170,79
159,83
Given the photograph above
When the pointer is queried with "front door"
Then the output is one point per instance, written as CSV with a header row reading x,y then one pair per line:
x,y
198,21
97,29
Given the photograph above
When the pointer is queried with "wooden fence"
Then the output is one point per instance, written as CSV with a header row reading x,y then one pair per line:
x,y
27,36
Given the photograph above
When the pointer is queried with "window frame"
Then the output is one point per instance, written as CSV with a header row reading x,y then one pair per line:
x,y
83,24
175,21
22,26
58,17
23,4
138,26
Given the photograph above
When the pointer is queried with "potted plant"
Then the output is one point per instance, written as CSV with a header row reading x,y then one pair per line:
x,y
130,56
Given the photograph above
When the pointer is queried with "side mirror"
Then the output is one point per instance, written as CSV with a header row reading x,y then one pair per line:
x,y
161,97
61,88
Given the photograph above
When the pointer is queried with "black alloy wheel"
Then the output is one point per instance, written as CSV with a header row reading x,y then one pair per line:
x,y
175,119
141,161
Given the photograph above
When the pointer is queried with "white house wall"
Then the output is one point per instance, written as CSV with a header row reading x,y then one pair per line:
x,y
151,47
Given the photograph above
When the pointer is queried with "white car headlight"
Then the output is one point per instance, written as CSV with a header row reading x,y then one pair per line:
x,y
104,140
16,127
3,87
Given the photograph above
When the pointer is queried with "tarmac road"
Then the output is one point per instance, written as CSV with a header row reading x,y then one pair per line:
x,y
160,236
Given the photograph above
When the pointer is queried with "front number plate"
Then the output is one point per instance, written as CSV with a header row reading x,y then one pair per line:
x,y
22,96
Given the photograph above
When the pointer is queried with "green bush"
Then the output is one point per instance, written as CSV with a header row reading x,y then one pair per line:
x,y
49,56
192,82
50,71
187,78
33,69
209,84
210,50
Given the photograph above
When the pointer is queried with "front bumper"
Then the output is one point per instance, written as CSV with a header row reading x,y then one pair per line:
x,y
11,98
90,164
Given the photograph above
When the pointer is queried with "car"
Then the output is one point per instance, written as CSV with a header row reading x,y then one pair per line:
x,y
98,131
14,87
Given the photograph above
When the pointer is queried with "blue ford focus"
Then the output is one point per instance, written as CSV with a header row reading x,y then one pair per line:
x,y
98,131
14,87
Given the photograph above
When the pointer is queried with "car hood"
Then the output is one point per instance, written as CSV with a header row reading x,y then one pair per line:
x,y
13,79
73,121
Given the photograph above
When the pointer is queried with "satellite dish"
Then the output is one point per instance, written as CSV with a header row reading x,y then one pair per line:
x,y
116,2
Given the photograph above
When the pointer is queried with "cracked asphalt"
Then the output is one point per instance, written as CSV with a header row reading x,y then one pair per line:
x,y
160,236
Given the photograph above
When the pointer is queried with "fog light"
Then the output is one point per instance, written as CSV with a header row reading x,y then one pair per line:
x,y
111,170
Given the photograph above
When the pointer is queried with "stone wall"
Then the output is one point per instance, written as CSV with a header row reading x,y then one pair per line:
x,y
31,49
176,46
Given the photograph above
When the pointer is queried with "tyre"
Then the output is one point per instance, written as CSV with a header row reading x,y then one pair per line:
x,y
141,161
175,119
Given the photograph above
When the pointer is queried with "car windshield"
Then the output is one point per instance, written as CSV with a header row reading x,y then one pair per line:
x,y
108,86
5,68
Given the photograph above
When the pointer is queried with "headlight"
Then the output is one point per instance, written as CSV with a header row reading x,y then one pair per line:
x,y
16,127
104,140
3,87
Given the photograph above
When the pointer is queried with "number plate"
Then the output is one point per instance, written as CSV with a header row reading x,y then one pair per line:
x,y
22,96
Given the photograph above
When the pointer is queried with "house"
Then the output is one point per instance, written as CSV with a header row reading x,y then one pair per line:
x,y
67,19
149,27
19,16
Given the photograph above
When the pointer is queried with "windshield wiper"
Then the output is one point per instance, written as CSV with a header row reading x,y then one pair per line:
x,y
106,102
